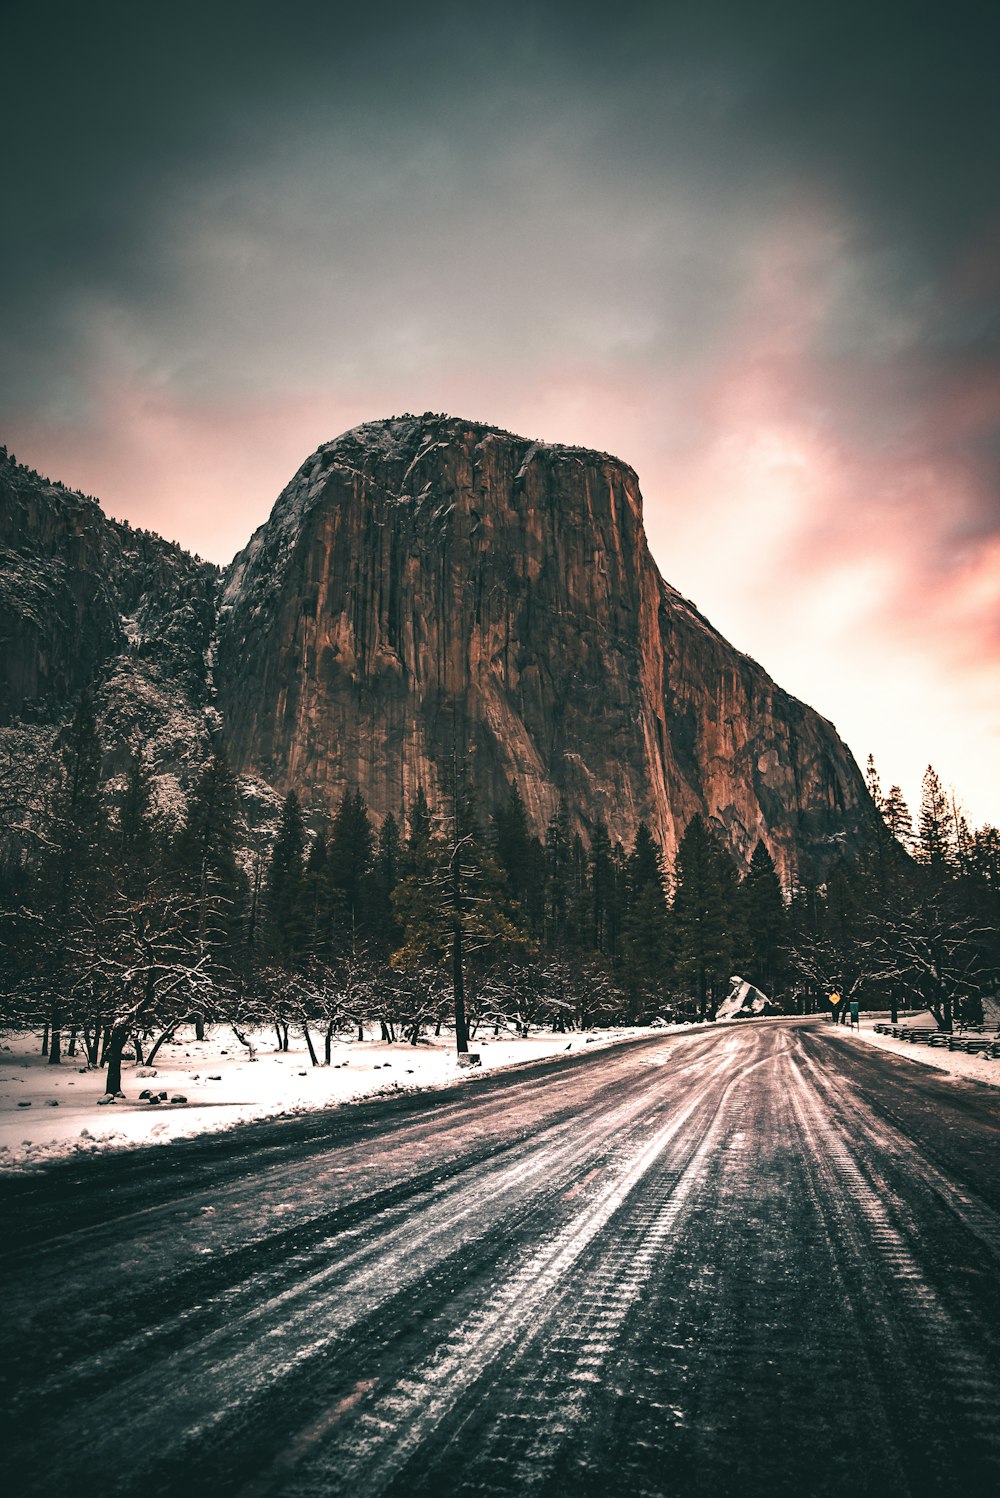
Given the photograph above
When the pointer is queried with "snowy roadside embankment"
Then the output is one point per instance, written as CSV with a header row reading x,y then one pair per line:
x,y
957,1063
53,1112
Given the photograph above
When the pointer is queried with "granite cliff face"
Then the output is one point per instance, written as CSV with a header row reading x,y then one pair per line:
x,y
426,580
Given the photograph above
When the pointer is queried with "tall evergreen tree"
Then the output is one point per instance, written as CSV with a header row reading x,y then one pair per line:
x,y
765,922
934,833
701,920
317,932
521,858
136,851
208,872
604,893
74,872
386,873
287,889
874,784
897,817
558,880
349,855
645,925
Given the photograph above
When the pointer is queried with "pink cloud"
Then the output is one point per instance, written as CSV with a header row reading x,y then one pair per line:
x,y
832,513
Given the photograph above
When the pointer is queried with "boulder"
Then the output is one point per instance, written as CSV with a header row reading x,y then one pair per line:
x,y
744,1001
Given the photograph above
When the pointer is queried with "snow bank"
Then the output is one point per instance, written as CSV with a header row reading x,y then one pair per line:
x,y
52,1112
955,1062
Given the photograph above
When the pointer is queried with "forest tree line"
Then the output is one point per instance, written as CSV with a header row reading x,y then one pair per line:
x,y
116,928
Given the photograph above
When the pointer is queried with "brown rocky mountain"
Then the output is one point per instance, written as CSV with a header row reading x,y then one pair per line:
x,y
426,582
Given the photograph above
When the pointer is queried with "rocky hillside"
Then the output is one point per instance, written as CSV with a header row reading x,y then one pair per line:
x,y
85,599
426,583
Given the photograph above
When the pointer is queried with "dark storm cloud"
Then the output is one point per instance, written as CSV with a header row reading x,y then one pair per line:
x,y
753,247
111,107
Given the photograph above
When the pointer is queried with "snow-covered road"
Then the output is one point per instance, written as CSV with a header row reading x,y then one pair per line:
x,y
752,1261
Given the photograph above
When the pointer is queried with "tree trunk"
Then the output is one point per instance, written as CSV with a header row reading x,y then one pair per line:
x,y
199,1027
45,1040
458,982
71,1051
309,1043
113,1053
244,1041
361,1030
55,1042
137,1043
328,1045
166,1035
457,973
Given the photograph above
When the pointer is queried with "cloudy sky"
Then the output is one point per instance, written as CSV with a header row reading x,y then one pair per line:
x,y
754,249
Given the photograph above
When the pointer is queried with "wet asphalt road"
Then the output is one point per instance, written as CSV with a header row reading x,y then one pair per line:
x,y
764,1260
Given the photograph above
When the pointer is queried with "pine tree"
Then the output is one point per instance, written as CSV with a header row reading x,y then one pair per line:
x,y
521,858
702,923
349,855
897,817
74,872
419,898
136,852
935,843
874,785
420,828
286,890
581,905
385,934
208,873
558,880
765,922
645,925
317,932
603,893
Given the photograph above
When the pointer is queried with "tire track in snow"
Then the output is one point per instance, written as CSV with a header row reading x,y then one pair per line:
x,y
302,1322
521,1314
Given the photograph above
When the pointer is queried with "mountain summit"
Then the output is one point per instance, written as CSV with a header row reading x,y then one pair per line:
x,y
427,584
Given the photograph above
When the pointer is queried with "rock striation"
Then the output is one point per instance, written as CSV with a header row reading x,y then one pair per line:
x,y
426,586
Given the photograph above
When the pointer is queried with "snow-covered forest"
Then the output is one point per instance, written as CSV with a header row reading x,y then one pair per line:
x,y
120,923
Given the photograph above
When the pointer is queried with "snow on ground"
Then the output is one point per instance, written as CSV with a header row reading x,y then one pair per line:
x,y
222,1087
955,1062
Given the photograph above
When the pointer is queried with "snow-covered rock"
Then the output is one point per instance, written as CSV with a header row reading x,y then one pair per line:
x,y
744,1001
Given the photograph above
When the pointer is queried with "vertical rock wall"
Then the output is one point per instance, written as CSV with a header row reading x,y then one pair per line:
x,y
426,581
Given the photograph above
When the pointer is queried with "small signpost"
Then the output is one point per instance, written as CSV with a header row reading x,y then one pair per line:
x,y
835,999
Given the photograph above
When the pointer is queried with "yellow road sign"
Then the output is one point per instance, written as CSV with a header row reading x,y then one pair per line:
x,y
835,998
